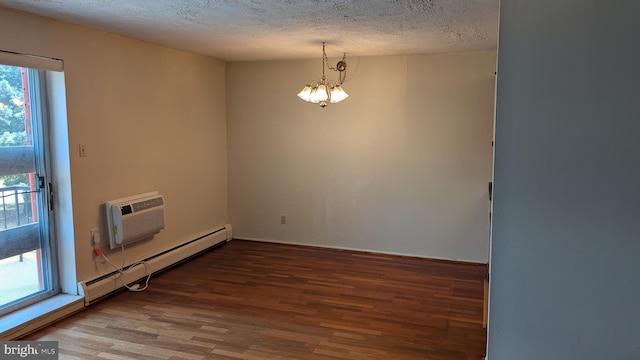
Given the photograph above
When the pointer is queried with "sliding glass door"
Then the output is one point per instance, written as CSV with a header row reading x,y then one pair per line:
x,y
28,271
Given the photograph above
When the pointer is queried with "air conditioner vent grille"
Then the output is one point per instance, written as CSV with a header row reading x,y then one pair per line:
x,y
147,204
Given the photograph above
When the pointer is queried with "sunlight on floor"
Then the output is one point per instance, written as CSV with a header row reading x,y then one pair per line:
x,y
18,278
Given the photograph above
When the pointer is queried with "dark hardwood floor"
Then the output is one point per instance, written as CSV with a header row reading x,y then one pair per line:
x,y
254,301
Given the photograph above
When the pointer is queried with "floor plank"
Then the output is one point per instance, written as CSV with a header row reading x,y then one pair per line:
x,y
255,301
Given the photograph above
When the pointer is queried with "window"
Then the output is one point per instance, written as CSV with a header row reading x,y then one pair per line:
x,y
28,268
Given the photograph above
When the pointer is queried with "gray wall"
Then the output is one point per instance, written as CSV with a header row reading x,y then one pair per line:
x,y
565,252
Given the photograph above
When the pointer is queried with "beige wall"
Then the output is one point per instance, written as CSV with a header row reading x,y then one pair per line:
x,y
152,118
401,166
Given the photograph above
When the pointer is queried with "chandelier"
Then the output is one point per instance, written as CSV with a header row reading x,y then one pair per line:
x,y
322,91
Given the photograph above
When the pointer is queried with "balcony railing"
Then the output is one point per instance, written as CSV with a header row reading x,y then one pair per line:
x,y
18,227
20,264
15,206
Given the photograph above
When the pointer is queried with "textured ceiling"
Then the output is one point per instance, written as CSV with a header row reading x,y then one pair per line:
x,y
287,29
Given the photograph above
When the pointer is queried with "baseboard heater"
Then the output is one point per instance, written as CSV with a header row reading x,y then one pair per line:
x,y
100,287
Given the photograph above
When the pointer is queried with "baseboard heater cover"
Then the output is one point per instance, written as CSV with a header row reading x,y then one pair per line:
x,y
100,287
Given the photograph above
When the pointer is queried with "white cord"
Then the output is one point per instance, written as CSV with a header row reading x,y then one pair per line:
x,y
122,270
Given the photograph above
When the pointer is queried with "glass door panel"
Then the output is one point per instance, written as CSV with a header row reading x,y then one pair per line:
x,y
26,265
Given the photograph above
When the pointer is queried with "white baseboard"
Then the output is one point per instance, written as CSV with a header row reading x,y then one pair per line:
x,y
355,249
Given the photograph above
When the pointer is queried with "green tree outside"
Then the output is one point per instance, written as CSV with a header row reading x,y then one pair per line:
x,y
12,128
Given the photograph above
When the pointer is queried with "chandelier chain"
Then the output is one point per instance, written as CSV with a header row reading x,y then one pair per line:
x,y
340,67
341,72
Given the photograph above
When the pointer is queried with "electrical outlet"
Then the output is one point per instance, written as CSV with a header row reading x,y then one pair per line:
x,y
95,237
283,219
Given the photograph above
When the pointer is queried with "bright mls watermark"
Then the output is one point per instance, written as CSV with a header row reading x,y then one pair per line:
x,y
40,350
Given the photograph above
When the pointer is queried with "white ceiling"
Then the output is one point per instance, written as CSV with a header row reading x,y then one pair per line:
x,y
287,29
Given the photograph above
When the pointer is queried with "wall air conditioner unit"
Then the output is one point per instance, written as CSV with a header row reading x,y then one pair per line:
x,y
134,218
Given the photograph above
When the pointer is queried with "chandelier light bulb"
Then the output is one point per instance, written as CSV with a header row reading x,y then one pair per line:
x,y
338,94
321,93
305,94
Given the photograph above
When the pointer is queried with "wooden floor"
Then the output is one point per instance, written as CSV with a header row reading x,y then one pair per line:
x,y
254,301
